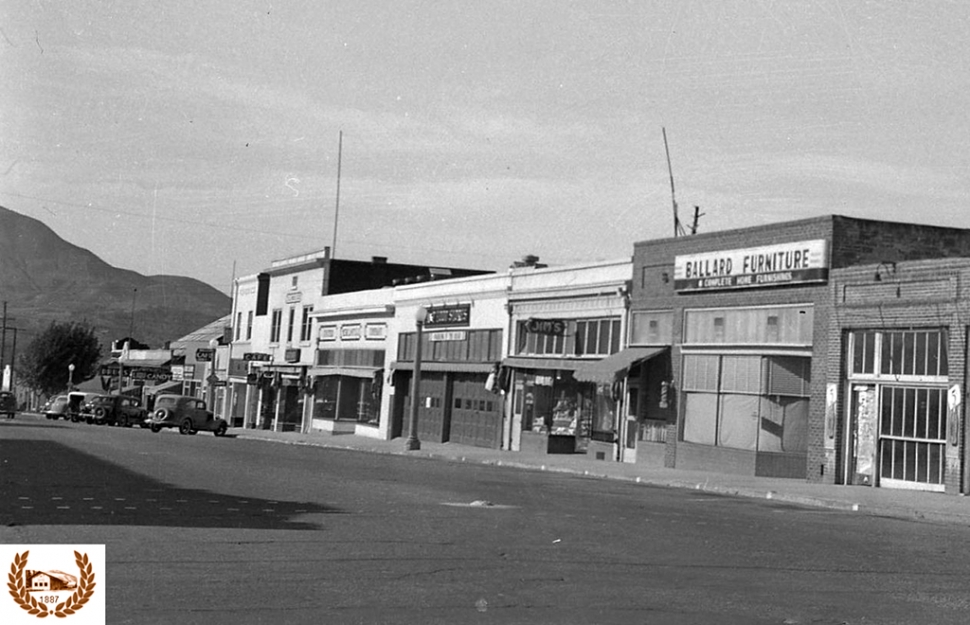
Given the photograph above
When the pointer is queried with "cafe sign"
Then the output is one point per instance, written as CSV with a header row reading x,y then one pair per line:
x,y
782,264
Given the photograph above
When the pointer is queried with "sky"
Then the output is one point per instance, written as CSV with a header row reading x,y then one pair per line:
x,y
203,138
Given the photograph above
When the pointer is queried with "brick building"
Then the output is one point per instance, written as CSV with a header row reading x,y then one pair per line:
x,y
831,349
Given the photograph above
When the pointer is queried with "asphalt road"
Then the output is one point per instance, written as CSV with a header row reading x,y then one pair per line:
x,y
206,530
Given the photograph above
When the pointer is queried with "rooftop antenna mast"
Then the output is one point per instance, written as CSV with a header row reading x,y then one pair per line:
x,y
678,227
336,212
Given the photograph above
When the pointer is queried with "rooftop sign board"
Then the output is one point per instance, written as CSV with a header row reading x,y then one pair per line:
x,y
753,267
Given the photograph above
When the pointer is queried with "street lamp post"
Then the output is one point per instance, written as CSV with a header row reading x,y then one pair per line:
x,y
213,344
413,444
70,376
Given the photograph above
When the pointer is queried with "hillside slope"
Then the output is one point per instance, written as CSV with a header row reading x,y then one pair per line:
x,y
44,278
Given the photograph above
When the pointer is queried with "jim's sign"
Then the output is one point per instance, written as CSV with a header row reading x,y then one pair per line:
x,y
753,267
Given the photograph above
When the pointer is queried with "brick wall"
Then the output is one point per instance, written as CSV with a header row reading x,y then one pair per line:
x,y
653,289
921,285
931,294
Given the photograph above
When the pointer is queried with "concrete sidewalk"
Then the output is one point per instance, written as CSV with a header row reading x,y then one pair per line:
x,y
903,504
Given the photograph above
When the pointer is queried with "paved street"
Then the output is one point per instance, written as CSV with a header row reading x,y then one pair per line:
x,y
234,530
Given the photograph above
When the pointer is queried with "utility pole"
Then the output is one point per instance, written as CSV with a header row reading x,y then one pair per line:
x,y
697,217
3,336
131,325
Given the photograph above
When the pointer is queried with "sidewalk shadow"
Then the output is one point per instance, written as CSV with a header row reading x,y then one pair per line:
x,y
46,483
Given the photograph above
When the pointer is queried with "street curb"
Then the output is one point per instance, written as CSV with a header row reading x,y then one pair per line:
x,y
904,513
683,485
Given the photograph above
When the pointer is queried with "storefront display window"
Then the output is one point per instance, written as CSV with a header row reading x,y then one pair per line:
x,y
346,398
325,398
364,408
604,415
747,402
555,403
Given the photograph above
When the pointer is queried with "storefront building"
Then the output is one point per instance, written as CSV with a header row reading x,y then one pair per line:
x,y
250,296
462,346
896,418
780,367
562,321
347,377
201,368
274,342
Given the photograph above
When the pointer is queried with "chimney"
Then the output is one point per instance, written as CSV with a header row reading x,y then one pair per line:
x,y
529,260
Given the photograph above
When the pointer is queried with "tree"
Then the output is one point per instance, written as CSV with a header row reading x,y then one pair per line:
x,y
44,364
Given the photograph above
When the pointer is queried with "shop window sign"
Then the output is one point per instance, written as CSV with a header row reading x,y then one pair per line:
x,y
553,327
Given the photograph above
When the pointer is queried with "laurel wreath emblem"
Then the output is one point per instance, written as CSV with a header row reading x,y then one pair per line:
x,y
18,588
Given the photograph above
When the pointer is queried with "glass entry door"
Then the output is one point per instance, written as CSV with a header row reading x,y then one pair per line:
x,y
897,412
912,431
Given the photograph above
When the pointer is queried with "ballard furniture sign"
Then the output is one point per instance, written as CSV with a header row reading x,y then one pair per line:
x,y
753,267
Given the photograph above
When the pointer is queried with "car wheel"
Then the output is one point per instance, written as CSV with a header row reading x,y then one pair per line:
x,y
221,430
156,428
122,421
88,420
185,427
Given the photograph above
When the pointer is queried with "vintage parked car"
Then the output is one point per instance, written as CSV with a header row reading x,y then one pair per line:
x,y
8,404
119,410
188,414
76,402
57,408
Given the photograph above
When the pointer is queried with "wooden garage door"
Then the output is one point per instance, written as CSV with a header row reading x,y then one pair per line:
x,y
476,415
431,412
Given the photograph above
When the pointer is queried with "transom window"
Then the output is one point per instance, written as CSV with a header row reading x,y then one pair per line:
x,y
913,354
580,337
772,325
652,328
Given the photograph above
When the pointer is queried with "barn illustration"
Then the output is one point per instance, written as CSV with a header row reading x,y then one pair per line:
x,y
49,580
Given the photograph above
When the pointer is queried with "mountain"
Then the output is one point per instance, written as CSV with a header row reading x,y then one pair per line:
x,y
44,278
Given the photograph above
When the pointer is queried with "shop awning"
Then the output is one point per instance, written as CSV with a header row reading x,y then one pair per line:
x,y
604,371
521,362
172,388
353,372
455,367
147,363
